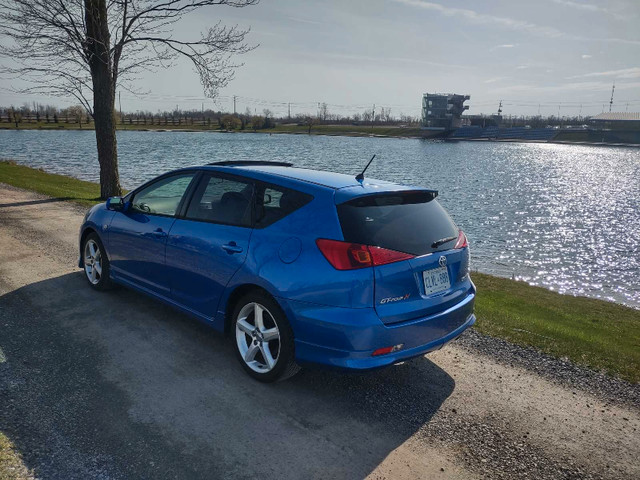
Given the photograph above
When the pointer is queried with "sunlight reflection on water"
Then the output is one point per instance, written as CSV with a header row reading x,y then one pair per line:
x,y
562,216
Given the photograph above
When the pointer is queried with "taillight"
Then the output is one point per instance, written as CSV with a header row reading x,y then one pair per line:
x,y
350,256
462,240
382,256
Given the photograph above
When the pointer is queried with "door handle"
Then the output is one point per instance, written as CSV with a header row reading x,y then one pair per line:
x,y
159,233
232,247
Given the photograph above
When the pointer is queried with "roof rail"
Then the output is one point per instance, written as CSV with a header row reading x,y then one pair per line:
x,y
240,163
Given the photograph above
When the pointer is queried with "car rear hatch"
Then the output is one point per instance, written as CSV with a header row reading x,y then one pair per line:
x,y
433,277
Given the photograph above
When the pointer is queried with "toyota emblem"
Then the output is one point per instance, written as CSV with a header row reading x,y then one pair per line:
x,y
443,261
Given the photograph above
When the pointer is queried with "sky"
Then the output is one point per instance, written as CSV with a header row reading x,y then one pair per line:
x,y
545,56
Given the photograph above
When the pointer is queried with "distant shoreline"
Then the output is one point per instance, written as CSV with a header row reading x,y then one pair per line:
x,y
323,130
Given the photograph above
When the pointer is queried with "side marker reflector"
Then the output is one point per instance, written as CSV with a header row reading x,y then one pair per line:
x,y
387,350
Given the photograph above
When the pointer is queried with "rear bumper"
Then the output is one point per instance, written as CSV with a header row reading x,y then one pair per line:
x,y
347,337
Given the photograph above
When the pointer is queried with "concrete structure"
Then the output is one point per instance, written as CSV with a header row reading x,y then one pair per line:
x,y
443,111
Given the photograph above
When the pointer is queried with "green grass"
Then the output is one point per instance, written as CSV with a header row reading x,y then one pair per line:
x,y
52,185
90,126
601,335
598,334
349,130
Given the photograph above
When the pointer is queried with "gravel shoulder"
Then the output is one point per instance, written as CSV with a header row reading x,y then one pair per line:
x,y
118,386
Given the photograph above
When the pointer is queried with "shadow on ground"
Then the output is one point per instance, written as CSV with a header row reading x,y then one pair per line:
x,y
117,385
35,202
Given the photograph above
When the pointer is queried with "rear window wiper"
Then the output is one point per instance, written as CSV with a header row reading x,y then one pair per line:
x,y
442,241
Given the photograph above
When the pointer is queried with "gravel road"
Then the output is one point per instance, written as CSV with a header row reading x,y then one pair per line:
x,y
114,385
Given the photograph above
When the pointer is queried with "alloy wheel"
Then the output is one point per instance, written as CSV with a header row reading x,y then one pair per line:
x,y
92,261
257,337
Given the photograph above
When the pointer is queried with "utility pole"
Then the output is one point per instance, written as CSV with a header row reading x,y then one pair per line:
x,y
373,115
234,104
611,101
120,104
289,105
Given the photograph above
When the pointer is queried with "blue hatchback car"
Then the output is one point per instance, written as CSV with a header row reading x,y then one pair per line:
x,y
298,266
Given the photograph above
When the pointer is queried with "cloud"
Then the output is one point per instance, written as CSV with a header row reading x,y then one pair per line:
x,y
383,59
509,23
585,56
581,87
304,20
500,47
589,7
482,18
495,79
581,6
623,73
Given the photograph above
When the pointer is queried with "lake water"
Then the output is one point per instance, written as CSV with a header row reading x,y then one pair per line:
x,y
566,217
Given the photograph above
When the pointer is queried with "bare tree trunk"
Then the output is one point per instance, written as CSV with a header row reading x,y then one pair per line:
x,y
103,96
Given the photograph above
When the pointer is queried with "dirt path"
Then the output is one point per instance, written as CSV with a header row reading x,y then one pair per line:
x,y
118,386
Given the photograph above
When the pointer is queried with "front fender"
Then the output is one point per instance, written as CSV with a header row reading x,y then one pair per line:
x,y
97,219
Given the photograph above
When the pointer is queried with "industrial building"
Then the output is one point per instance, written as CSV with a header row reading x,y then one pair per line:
x,y
616,121
443,111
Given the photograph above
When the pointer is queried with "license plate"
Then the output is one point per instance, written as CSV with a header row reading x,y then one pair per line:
x,y
436,280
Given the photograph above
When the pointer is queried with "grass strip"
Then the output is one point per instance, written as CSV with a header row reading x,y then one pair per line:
x,y
343,130
601,335
60,187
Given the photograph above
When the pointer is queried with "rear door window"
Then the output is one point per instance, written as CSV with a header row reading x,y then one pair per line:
x,y
410,222
222,200
275,202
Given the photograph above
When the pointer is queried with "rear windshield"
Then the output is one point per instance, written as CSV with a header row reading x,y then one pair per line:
x,y
411,222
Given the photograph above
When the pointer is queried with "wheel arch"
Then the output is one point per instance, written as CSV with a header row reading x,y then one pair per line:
x,y
85,233
236,294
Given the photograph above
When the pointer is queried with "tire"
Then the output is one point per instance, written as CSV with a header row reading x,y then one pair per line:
x,y
265,347
96,263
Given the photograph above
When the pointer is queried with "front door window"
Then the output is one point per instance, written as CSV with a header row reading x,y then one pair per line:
x,y
162,197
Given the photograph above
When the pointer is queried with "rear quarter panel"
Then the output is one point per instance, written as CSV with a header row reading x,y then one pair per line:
x,y
285,260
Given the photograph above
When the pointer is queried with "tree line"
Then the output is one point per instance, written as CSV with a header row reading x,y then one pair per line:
x,y
77,114
37,113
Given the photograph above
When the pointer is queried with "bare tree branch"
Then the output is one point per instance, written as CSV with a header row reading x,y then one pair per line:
x,y
51,34
87,48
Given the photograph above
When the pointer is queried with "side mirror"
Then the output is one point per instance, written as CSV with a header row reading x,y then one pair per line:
x,y
267,199
115,203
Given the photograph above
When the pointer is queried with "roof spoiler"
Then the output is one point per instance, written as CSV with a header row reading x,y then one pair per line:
x,y
371,199
248,163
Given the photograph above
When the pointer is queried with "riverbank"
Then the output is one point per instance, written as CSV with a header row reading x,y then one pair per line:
x,y
600,335
566,137
343,130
